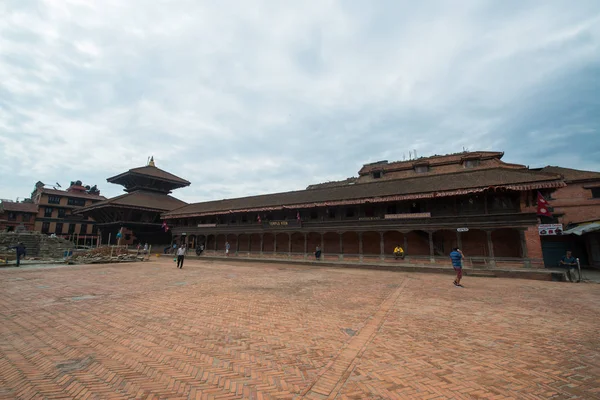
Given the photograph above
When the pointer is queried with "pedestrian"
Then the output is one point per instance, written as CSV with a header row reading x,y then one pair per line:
x,y
457,256
180,256
227,247
146,249
318,253
174,248
21,252
570,263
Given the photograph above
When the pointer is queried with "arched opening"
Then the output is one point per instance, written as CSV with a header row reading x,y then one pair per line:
x,y
507,243
191,242
232,239
255,243
283,242
331,243
297,243
371,243
474,243
210,242
243,242
268,242
220,242
314,240
350,244
444,241
418,243
391,239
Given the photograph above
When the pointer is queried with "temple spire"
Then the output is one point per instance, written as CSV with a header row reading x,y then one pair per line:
x,y
151,163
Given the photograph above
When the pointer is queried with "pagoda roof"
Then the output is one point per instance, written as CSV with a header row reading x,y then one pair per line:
x,y
421,187
13,206
140,199
150,171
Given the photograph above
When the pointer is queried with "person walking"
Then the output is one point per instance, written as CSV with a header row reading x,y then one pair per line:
x,y
180,256
227,247
146,249
457,257
21,252
318,253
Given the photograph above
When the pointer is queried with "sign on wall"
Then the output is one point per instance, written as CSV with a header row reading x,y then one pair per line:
x,y
408,215
284,224
206,225
462,229
550,229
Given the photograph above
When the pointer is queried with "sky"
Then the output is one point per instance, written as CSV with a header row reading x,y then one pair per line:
x,y
250,97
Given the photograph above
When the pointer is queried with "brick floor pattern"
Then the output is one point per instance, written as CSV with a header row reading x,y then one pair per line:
x,y
219,330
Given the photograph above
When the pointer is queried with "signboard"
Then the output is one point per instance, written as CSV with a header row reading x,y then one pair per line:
x,y
206,225
408,215
369,218
550,229
284,224
462,229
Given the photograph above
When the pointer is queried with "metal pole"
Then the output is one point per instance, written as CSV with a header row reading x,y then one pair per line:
x,y
578,270
108,243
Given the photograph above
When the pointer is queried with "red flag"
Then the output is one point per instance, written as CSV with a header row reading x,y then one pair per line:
x,y
298,216
543,208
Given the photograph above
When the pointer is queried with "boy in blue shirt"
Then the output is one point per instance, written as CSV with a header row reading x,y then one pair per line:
x,y
457,256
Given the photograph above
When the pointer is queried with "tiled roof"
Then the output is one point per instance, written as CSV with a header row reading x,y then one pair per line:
x,y
139,199
426,186
19,207
153,172
64,193
432,161
571,175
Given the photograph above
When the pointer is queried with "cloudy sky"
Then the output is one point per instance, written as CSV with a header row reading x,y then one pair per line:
x,y
247,97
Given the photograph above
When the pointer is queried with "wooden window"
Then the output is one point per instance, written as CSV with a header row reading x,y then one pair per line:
x,y
62,213
471,163
53,200
48,212
45,227
377,174
83,229
420,169
59,228
595,193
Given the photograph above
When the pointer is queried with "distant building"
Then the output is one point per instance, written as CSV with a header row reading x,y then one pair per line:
x,y
56,210
471,200
136,214
15,216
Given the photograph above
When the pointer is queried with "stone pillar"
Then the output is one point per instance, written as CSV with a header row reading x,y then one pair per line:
x,y
261,243
341,256
458,240
490,248
524,252
405,245
215,242
305,246
237,244
360,247
275,243
289,244
431,251
381,247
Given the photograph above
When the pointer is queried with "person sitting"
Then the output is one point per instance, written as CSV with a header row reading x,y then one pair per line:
x,y
318,253
398,253
570,263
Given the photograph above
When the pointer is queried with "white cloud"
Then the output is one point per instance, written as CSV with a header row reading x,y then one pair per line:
x,y
252,97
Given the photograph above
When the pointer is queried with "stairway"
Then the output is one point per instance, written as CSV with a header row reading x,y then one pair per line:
x,y
31,241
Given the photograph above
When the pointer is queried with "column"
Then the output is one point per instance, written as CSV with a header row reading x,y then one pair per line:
x,y
261,244
289,244
459,240
431,252
305,246
341,256
524,252
249,243
360,247
275,243
405,245
381,247
215,242
237,244
490,248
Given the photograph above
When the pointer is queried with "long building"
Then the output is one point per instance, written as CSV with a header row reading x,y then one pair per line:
x,y
472,200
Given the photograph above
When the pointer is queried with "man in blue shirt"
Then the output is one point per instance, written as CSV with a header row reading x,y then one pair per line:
x,y
21,252
457,256
570,263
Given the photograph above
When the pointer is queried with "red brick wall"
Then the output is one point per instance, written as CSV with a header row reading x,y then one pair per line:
x,y
350,243
393,239
576,203
474,243
418,245
534,244
507,243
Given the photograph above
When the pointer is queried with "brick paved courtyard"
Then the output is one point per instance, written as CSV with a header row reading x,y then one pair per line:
x,y
225,331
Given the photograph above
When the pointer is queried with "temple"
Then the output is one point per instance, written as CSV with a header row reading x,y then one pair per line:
x,y
136,214
472,200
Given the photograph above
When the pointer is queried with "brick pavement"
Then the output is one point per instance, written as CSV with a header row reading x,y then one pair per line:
x,y
219,330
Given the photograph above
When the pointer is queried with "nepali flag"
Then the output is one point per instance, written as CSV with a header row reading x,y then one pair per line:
x,y
298,216
258,218
543,208
164,226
